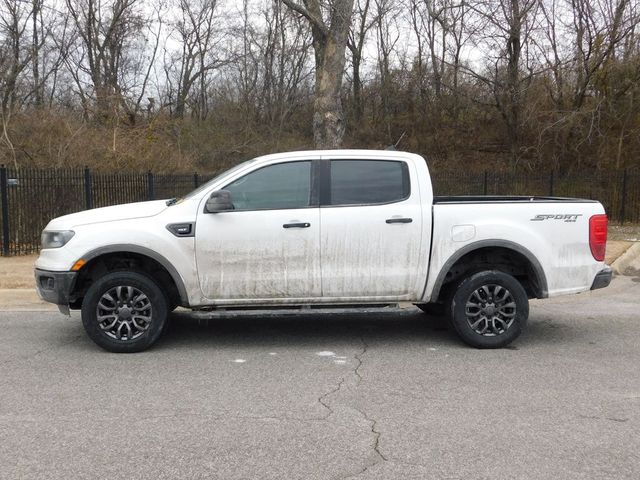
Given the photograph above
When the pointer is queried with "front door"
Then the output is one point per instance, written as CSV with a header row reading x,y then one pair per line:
x,y
371,238
268,247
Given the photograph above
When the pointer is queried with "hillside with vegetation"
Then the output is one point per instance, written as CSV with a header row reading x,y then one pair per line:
x,y
184,86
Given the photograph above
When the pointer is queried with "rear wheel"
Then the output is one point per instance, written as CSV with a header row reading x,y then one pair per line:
x,y
489,309
124,312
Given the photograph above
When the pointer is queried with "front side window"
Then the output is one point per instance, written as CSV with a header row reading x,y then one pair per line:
x,y
281,186
362,182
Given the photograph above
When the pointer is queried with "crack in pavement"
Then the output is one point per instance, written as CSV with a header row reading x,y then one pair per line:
x,y
376,447
358,357
321,398
373,423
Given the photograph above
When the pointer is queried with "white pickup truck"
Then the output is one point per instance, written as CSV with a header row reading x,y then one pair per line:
x,y
321,228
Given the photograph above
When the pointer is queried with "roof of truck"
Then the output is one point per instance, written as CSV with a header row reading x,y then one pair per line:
x,y
356,154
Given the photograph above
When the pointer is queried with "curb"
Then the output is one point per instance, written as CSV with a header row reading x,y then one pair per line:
x,y
622,266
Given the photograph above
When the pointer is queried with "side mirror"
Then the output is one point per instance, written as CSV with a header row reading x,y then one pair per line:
x,y
219,201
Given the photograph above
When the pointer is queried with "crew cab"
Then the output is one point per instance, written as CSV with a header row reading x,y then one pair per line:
x,y
321,228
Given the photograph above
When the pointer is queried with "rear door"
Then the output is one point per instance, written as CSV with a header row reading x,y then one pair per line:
x,y
371,229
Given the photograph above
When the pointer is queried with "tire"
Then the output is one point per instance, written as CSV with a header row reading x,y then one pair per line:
x,y
133,311
489,309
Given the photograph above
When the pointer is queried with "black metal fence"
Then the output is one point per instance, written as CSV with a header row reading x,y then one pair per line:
x,y
32,197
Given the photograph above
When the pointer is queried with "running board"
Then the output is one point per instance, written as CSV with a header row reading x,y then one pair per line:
x,y
306,307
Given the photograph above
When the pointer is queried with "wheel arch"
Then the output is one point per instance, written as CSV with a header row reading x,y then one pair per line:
x,y
135,251
539,287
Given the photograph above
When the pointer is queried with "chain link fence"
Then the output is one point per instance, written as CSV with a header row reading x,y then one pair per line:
x,y
32,197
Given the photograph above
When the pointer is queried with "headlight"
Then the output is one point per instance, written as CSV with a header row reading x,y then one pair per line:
x,y
51,239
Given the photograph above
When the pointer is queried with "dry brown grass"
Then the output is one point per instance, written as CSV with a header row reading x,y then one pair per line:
x,y
629,233
50,138
17,272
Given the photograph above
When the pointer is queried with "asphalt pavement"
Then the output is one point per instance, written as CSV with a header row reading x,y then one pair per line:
x,y
389,394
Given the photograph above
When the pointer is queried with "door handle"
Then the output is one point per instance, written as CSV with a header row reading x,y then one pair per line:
x,y
296,225
399,220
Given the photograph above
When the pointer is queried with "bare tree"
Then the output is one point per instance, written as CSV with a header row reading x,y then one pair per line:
x,y
15,55
387,37
580,46
283,53
441,31
416,18
107,32
460,32
506,27
434,24
329,23
599,29
356,42
14,59
36,45
198,34
270,72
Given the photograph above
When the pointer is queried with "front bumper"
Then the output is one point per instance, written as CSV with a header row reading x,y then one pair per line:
x,y
603,279
55,287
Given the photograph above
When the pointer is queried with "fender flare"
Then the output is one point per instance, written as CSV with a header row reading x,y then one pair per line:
x,y
538,271
147,252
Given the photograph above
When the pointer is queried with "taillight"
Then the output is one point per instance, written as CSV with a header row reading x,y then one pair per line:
x,y
598,236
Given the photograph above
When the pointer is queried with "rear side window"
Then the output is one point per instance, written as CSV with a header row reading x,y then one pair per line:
x,y
362,182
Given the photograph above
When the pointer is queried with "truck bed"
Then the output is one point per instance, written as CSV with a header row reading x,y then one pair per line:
x,y
506,199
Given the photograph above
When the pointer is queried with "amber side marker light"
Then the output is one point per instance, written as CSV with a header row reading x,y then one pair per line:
x,y
78,265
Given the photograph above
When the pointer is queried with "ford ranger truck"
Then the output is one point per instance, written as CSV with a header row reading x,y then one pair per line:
x,y
321,228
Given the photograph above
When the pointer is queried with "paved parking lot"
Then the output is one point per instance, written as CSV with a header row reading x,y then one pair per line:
x,y
388,395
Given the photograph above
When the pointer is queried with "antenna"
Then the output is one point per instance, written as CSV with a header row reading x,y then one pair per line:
x,y
395,145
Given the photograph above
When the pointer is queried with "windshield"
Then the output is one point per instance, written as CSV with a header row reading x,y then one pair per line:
x,y
204,186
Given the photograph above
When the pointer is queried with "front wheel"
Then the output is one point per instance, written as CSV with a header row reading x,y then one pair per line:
x,y
124,312
489,309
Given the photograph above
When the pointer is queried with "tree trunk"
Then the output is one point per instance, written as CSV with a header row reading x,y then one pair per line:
x,y
35,61
328,115
329,44
514,48
357,88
